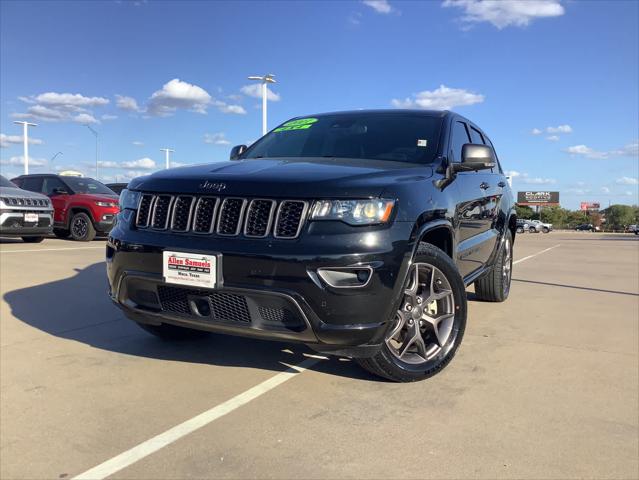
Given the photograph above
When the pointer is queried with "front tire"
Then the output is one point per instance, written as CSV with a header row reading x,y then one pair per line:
x,y
532,230
170,332
495,286
32,239
545,230
82,229
429,325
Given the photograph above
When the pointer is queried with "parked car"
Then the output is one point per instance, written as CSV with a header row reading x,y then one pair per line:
x,y
117,187
536,226
522,226
83,206
355,233
24,214
587,227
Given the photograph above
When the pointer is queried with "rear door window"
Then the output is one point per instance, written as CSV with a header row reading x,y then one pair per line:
x,y
50,184
33,184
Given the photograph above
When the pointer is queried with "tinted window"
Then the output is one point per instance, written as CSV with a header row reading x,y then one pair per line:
x,y
31,183
459,138
87,185
397,137
51,183
475,136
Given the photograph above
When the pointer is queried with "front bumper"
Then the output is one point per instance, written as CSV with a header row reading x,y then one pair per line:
x,y
268,288
12,223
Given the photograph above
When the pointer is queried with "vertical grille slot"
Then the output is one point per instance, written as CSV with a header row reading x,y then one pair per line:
x,y
290,218
259,218
205,209
229,221
181,217
160,215
144,211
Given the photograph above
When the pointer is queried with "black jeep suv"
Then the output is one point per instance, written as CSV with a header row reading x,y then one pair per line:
x,y
355,233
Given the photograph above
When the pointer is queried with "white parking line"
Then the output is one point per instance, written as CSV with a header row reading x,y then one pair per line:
x,y
173,434
50,249
535,254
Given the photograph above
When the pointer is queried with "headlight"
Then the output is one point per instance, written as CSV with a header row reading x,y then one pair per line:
x,y
354,212
129,199
106,204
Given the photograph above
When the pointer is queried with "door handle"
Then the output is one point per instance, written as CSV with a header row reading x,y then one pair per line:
x,y
501,184
484,186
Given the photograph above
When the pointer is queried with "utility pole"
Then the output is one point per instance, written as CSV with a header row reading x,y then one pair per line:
x,y
96,148
25,139
167,155
265,79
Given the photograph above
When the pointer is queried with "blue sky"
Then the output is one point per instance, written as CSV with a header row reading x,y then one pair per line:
x,y
553,83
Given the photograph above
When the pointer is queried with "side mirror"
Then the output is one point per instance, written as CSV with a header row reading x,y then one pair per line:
x,y
236,151
60,191
475,157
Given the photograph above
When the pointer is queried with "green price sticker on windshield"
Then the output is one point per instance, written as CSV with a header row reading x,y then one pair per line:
x,y
300,124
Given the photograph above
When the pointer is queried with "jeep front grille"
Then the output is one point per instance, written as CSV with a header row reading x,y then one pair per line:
x,y
228,217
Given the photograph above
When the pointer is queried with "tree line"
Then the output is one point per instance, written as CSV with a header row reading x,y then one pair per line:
x,y
613,218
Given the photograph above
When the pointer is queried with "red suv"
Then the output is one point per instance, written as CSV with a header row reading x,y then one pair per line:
x,y
83,206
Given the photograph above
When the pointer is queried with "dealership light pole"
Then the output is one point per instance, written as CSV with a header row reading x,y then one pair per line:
x,y
266,79
52,159
167,156
25,139
96,147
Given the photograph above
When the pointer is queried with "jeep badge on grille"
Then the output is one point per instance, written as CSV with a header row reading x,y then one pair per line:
x,y
212,186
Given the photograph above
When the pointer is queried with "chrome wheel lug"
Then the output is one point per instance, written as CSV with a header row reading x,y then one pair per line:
x,y
408,307
419,300
410,322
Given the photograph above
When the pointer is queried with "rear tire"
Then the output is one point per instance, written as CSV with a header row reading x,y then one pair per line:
x,y
532,230
545,230
82,229
170,332
32,239
431,330
495,286
520,229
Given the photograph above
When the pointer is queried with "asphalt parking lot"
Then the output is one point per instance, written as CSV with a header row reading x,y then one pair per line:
x,y
544,385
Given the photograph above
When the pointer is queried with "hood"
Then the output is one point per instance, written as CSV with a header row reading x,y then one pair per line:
x,y
286,177
96,197
20,193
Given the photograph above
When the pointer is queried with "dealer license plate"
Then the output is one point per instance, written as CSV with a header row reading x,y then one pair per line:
x,y
193,269
31,218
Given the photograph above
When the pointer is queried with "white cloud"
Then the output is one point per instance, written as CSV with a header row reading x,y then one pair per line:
x,y
109,117
226,108
535,131
442,98
255,90
559,129
137,143
605,190
84,118
177,94
630,150
19,160
627,181
61,107
69,100
553,138
526,179
7,140
143,163
216,138
140,164
380,6
128,104
505,13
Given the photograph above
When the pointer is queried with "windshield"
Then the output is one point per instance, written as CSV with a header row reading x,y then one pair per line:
x,y
6,183
395,136
87,185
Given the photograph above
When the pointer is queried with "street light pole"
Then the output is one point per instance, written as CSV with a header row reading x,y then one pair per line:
x,y
265,79
25,139
96,147
167,153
